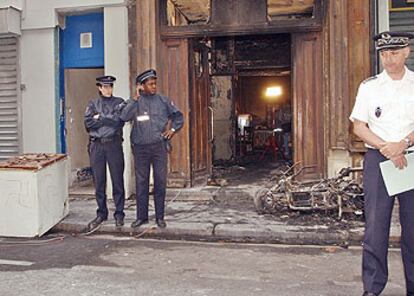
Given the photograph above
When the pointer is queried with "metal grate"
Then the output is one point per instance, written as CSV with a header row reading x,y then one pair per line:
x,y
9,131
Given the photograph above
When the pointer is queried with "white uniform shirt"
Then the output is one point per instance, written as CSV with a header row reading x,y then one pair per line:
x,y
386,105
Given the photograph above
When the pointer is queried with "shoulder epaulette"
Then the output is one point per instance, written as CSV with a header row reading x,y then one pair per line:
x,y
370,78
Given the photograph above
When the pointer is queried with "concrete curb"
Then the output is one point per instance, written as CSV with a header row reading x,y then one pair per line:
x,y
283,235
226,232
207,222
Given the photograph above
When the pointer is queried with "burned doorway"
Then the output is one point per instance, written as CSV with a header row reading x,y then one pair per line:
x,y
251,99
246,39
263,110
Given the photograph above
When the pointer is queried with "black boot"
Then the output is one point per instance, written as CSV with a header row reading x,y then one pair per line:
x,y
137,223
161,223
95,222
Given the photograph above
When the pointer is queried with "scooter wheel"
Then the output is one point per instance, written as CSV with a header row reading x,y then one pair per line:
x,y
263,201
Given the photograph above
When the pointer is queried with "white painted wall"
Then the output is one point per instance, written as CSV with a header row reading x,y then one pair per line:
x,y
383,16
15,3
337,160
43,13
117,64
38,94
10,20
116,48
38,63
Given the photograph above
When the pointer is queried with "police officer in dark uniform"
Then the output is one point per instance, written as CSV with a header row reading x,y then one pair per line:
x,y
103,123
150,137
383,118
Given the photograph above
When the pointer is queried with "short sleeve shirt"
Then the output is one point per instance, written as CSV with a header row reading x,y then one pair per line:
x,y
386,105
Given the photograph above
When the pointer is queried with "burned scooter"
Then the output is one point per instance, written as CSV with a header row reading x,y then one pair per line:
x,y
340,193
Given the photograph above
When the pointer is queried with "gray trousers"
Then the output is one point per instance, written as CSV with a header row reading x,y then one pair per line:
x,y
378,210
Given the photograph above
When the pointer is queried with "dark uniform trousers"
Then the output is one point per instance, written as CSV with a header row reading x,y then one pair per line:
x,y
145,155
378,210
101,154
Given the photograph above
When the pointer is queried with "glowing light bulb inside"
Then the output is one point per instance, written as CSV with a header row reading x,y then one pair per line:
x,y
273,91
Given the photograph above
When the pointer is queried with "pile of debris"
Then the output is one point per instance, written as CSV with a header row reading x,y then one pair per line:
x,y
31,161
84,174
339,196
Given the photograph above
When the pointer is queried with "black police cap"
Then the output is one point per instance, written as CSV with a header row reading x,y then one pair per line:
x,y
151,73
393,40
106,79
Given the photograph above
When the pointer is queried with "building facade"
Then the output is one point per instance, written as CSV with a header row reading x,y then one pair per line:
x,y
51,53
318,50
213,58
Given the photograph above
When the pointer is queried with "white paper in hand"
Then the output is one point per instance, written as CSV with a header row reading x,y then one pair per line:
x,y
396,180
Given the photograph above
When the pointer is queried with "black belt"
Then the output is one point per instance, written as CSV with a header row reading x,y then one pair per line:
x,y
105,140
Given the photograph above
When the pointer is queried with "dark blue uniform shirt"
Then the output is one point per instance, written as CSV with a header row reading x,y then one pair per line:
x,y
108,124
150,115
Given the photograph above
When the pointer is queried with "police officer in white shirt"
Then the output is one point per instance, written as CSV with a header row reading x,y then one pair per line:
x,y
383,117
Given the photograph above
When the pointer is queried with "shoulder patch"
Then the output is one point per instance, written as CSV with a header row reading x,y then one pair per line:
x,y
369,79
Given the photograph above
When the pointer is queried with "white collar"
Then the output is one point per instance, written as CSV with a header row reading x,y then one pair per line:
x,y
408,76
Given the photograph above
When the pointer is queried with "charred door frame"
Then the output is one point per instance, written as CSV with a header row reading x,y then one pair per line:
x,y
308,105
169,34
269,27
200,113
175,84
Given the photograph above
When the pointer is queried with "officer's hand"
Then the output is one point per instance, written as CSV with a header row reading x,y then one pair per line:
x,y
96,116
168,134
140,89
392,149
399,161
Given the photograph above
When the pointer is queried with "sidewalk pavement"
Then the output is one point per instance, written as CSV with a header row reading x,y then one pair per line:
x,y
229,218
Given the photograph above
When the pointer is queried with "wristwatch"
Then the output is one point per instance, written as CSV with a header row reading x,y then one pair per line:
x,y
408,142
